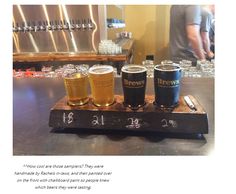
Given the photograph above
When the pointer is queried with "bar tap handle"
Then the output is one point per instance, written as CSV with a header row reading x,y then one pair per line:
x,y
73,24
35,26
90,24
31,28
61,24
58,24
25,27
38,27
19,29
78,25
84,25
43,26
50,24
66,25
14,28
53,27
48,27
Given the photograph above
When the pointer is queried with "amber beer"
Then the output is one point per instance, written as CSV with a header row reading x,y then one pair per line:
x,y
76,86
101,80
134,79
167,85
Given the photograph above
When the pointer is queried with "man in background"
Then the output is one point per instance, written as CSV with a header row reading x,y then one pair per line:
x,y
185,38
207,28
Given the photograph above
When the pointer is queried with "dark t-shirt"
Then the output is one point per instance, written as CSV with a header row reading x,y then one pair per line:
x,y
180,17
212,31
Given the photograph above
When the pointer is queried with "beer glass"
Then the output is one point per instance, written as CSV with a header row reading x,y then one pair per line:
x,y
167,85
134,79
101,78
76,85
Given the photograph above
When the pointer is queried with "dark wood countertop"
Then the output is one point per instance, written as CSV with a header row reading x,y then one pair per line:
x,y
34,97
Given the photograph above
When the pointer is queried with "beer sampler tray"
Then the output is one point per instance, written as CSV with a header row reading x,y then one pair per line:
x,y
181,119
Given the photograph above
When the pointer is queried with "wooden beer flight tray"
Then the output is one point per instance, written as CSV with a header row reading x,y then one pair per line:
x,y
181,119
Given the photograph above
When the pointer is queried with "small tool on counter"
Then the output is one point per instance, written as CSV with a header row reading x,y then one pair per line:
x,y
190,103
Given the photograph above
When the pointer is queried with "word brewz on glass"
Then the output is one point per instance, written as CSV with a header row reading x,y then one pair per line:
x,y
167,85
134,78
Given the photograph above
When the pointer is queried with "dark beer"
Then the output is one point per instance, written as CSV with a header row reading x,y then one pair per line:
x,y
134,79
167,85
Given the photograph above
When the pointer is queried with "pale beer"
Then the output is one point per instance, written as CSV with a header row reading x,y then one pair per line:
x,y
101,80
76,86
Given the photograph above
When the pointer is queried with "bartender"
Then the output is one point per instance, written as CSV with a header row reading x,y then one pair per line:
x,y
185,37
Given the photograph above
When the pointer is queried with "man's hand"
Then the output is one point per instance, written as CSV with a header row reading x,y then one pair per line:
x,y
210,55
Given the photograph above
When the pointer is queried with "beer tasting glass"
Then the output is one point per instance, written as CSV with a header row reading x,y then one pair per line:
x,y
134,78
76,85
167,85
101,78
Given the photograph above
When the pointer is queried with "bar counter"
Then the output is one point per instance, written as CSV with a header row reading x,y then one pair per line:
x,y
34,97
126,44
49,57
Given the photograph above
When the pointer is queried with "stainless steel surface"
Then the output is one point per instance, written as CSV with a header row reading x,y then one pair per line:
x,y
55,28
33,98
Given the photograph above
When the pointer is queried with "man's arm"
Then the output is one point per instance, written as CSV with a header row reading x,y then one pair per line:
x,y
206,44
194,37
